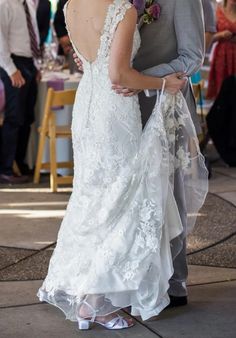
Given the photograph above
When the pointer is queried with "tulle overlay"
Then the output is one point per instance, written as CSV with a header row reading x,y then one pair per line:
x,y
113,247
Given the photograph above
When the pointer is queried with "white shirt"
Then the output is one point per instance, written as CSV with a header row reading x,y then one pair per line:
x,y
14,34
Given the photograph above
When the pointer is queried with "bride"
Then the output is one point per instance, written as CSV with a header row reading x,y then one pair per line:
x,y
113,248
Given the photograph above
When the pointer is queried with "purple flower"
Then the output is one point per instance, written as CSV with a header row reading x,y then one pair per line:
x,y
148,10
154,11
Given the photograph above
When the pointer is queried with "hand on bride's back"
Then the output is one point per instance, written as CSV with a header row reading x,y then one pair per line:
x,y
175,82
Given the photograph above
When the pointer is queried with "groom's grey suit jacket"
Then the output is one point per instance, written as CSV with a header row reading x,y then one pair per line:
x,y
174,43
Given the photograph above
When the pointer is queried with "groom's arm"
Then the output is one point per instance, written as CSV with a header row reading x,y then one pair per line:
x,y
189,27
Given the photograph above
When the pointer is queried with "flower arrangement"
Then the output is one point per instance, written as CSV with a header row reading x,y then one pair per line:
x,y
149,10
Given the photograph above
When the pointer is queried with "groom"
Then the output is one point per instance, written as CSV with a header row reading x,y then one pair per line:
x,y
174,43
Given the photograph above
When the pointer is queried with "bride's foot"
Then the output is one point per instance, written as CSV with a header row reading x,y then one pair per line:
x,y
114,322
87,314
110,322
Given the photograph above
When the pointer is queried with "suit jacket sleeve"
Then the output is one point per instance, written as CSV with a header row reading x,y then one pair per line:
x,y
59,20
189,28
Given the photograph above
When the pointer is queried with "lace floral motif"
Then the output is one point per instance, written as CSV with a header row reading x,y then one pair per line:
x,y
115,16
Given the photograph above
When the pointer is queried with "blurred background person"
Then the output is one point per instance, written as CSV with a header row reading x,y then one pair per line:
x,y
223,63
210,21
210,30
19,46
60,28
43,19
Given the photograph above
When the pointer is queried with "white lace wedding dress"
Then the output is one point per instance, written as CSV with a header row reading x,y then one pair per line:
x,y
113,247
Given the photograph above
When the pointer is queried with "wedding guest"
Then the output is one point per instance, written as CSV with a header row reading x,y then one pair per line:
x,y
19,45
210,30
60,28
43,19
223,64
221,122
210,21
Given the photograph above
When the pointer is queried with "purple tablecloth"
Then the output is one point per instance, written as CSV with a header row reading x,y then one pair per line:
x,y
56,84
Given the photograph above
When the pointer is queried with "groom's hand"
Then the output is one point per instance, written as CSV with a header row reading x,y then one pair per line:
x,y
125,91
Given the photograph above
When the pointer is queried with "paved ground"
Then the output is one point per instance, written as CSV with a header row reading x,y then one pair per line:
x,y
29,221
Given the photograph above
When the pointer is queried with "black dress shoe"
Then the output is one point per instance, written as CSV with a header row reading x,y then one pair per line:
x,y
177,301
6,179
24,169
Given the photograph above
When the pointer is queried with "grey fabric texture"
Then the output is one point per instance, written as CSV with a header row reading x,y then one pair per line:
x,y
209,16
174,43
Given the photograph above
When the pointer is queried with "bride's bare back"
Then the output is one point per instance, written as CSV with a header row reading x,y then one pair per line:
x,y
85,22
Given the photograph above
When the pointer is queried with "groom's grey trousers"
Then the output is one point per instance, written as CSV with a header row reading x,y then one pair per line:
x,y
174,43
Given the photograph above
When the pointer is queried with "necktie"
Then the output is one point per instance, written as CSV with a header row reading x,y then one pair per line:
x,y
33,40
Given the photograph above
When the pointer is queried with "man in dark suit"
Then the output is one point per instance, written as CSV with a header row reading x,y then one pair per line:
x,y
60,28
43,19
19,48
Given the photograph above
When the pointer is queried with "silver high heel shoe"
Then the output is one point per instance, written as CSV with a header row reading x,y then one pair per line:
x,y
116,323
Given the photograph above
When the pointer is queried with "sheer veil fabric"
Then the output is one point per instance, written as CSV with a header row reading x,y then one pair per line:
x,y
113,247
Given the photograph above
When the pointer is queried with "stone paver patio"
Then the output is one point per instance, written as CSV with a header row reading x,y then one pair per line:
x,y
29,220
